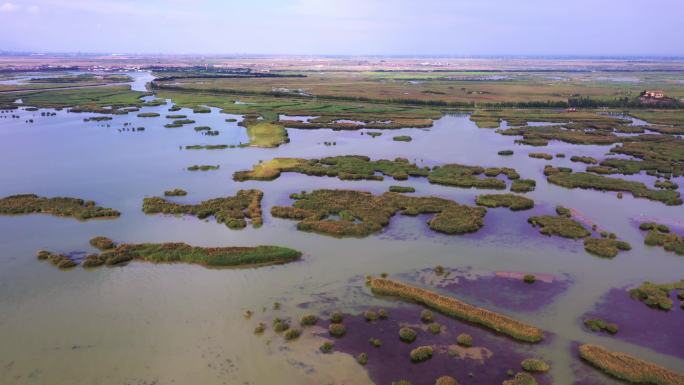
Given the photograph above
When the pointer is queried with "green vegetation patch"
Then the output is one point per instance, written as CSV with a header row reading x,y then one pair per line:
x,y
512,201
523,185
233,211
521,378
402,189
402,138
600,325
628,368
583,180
559,225
93,99
184,253
605,247
267,135
203,167
660,235
346,167
177,192
540,155
505,152
457,309
656,295
148,115
348,213
57,206
464,176
583,159
535,365
102,243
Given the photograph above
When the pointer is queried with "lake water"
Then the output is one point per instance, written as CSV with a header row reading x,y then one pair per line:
x,y
180,324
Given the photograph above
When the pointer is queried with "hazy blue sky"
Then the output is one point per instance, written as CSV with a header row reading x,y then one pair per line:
x,y
454,27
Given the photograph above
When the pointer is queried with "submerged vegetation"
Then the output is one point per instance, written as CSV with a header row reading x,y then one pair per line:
x,y
345,213
458,309
58,206
628,368
233,211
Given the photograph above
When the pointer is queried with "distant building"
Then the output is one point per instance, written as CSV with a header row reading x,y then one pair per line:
x,y
655,94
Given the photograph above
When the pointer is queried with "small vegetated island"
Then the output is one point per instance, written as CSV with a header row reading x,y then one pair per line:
x,y
349,213
57,206
232,211
660,235
566,178
457,309
628,368
113,255
563,225
357,167
658,296
512,201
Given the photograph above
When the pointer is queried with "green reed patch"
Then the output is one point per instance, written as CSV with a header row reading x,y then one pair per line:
x,y
512,201
180,253
348,213
566,178
57,206
232,211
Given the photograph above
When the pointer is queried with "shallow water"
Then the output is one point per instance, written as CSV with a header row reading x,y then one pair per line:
x,y
165,324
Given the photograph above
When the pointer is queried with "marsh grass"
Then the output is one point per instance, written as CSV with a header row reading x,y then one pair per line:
x,y
58,206
458,309
361,213
628,368
512,201
232,211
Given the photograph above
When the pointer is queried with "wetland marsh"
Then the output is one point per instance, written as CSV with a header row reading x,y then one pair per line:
x,y
292,172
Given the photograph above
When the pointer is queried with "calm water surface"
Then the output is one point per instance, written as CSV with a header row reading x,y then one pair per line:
x,y
178,324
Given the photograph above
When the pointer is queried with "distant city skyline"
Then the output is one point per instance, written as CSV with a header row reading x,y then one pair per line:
x,y
345,27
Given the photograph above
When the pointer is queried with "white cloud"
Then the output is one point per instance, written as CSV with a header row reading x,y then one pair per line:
x,y
33,9
8,7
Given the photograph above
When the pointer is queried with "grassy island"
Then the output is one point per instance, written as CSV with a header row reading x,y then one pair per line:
x,y
457,309
177,192
655,295
179,253
628,368
583,180
346,167
469,176
58,206
265,134
660,235
512,201
559,225
348,213
233,211
605,247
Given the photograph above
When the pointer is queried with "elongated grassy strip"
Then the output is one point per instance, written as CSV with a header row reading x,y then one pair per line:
x,y
458,309
57,206
628,368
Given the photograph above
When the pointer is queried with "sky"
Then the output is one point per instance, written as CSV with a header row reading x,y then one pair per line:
x,y
346,27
